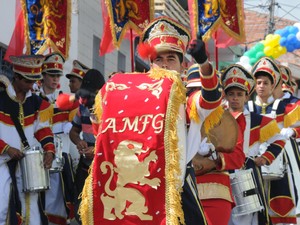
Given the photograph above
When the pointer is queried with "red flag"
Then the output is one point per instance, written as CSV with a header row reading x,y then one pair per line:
x,y
16,43
106,44
222,19
120,17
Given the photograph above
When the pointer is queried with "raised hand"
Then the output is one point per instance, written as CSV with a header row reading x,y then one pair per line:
x,y
197,49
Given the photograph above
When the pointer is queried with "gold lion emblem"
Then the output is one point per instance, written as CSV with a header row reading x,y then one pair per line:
x,y
130,170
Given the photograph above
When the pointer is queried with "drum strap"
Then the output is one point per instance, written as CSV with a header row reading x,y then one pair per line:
x,y
13,115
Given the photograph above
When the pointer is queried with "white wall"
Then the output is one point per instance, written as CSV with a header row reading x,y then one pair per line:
x,y
86,22
7,20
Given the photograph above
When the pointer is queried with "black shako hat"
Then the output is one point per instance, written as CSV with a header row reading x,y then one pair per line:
x,y
92,81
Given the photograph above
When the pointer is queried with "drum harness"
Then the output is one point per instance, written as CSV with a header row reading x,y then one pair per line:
x,y
272,114
15,203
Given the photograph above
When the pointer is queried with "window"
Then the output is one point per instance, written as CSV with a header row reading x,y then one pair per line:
x,y
98,61
121,62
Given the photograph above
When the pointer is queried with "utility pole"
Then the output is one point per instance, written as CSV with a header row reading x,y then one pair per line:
x,y
271,25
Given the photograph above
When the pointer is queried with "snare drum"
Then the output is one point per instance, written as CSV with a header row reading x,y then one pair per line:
x,y
35,176
245,193
276,170
58,162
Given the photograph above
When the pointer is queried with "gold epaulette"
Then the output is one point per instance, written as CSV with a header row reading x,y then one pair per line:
x,y
46,114
213,119
72,114
268,131
193,112
292,117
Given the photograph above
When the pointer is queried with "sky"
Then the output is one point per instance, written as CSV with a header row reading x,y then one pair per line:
x,y
287,9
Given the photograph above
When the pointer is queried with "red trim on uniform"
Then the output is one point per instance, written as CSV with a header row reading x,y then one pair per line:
x,y
292,220
221,206
44,105
3,146
268,156
280,118
209,105
297,132
57,219
209,82
5,118
60,117
282,206
43,133
280,143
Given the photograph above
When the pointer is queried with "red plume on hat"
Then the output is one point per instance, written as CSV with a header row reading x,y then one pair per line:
x,y
146,51
66,102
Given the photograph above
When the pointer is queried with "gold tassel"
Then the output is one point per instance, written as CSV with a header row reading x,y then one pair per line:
x,y
85,210
292,117
174,212
213,119
98,106
193,112
46,114
268,131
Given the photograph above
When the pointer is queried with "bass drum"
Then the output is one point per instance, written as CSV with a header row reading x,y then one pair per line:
x,y
35,176
224,135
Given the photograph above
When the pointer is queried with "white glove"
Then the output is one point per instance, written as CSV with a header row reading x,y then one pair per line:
x,y
205,147
287,132
67,127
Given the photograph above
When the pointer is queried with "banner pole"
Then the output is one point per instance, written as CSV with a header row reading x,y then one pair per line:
x,y
131,50
216,51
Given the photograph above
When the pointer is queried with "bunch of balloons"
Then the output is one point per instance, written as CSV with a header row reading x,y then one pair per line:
x,y
282,41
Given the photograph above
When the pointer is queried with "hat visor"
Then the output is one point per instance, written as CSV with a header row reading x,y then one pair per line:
x,y
53,72
194,84
69,75
32,77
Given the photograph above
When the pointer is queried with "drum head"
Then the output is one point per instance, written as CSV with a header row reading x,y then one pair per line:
x,y
224,135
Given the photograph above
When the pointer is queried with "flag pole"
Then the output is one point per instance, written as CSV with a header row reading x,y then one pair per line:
x,y
131,50
216,51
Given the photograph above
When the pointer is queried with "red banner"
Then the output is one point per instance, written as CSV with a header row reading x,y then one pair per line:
x,y
135,172
121,15
208,16
47,25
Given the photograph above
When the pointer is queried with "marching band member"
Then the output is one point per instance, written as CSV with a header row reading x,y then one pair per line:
x,y
149,139
91,84
75,80
58,200
76,75
280,192
33,114
211,169
238,84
